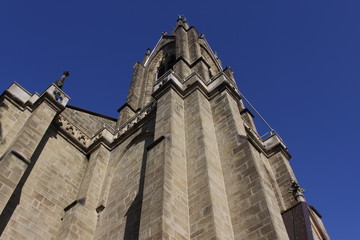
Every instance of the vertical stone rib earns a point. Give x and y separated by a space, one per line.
182 48
135 87
246 187
268 204
283 174
209 212
165 212
152 210
194 47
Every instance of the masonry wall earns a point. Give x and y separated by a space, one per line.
208 202
165 212
50 186
188 171
254 210
122 194
183 160
86 122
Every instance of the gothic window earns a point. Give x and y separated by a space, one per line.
166 64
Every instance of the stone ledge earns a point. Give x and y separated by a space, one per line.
246 110
21 157
124 106
191 83
106 136
90 112
267 151
156 142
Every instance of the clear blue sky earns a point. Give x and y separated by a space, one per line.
297 61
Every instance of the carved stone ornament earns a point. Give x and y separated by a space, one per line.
70 128
297 191
134 120
58 96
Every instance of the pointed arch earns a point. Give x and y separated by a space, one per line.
164 56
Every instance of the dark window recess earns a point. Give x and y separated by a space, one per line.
161 70
166 64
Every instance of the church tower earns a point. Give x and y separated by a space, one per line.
182 161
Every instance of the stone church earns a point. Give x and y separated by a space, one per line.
182 161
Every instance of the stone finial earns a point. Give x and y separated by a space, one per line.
181 17
60 81
297 191
164 33
148 51
201 35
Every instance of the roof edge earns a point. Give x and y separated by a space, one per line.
90 112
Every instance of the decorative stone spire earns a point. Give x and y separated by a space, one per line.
60 82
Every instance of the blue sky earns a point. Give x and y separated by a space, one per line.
296 61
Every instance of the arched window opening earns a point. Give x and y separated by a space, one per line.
167 63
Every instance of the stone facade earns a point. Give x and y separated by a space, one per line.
182 161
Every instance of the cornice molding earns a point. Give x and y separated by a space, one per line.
106 136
